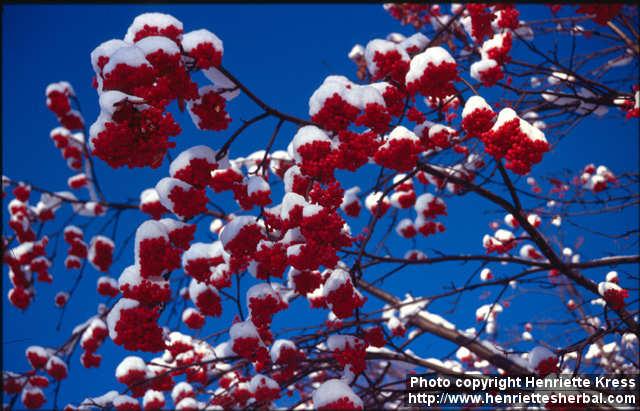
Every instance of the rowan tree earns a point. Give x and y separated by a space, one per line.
311 273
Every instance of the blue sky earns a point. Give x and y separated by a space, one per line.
282 52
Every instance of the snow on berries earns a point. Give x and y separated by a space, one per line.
264 389
125 403
386 59
285 352
269 260
150 203
258 191
182 199
351 203
150 291
77 250
56 368
488 312
597 179
154 24
399 151
153 252
132 371
497 48
127 70
481 20
70 146
77 181
528 251
59 96
486 274
312 151
204 47
181 391
134 326
205 297
338 102
512 138
92 338
133 134
612 277
138 77
194 166
543 361
240 238
37 356
432 73
613 294
349 351
486 71
501 242
477 116
180 234
406 229
246 342
61 299
153 400
340 294
429 206
304 281
32 397
336 394
100 253
440 137
23 261
208 110
200 258
264 302
377 203
172 79
333 105
193 318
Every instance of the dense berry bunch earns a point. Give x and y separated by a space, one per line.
138 77
512 138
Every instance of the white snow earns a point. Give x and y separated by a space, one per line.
164 188
479 67
432 55
128 364
231 229
152 396
114 315
605 286
129 55
257 184
244 329
152 44
381 46
278 345
337 278
475 103
105 49
356 53
260 380
223 84
185 157
159 20
333 390
538 354
195 38
306 135
124 400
